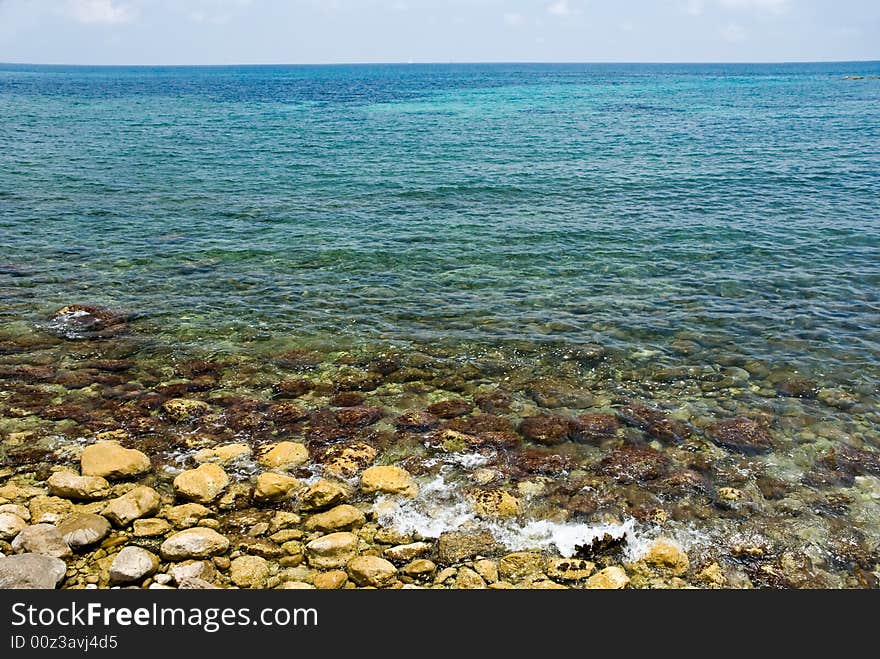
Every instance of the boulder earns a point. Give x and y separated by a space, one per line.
332 551
110 460
197 542
72 486
371 571
203 484
42 539
138 502
284 455
133 564
84 529
388 479
31 571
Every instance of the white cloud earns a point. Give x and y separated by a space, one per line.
560 8
733 33
100 12
514 19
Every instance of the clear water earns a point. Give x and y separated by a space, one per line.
705 217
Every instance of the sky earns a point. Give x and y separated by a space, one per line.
331 31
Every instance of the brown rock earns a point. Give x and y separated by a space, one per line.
139 502
275 487
547 429
594 428
633 464
449 409
72 486
323 494
371 571
521 565
740 434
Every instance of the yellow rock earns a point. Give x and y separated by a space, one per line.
110 460
249 572
323 494
223 455
371 571
388 479
495 503
569 569
73 486
332 580
340 518
181 409
203 484
666 554
611 578
284 455
275 487
713 576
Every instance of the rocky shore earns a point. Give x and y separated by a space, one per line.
127 467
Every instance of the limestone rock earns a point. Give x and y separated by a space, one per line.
10 526
186 515
456 546
204 570
284 455
666 554
134 504
197 542
49 510
72 486
31 571
223 455
371 571
275 487
347 460
203 484
42 539
84 529
110 460
521 565
150 527
495 503
249 572
405 553
341 518
323 494
332 580
133 564
467 579
332 551
183 409
611 578
569 569
388 479
419 568
15 509
487 569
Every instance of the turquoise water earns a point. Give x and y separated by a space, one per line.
483 205
674 268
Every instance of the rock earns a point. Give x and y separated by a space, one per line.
341 518
797 387
15 509
388 479
203 570
520 565
419 568
196 584
547 429
404 553
49 510
322 494
85 321
494 503
332 580
134 504
629 464
194 543
72 486
494 402
371 571
10 526
594 428
275 487
31 571
346 460
487 569
740 434
569 569
611 578
284 455
358 417
203 484
445 575
713 576
186 515
42 539
457 546
151 527
348 399
545 584
283 519
666 554
332 551
249 572
449 409
296 585
110 460
223 455
416 421
84 529
184 409
467 579
133 564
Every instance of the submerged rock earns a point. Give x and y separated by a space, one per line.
629 464
83 321
449 409
416 421
547 429
594 428
740 434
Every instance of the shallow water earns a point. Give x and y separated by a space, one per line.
703 240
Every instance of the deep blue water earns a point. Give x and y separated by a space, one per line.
732 207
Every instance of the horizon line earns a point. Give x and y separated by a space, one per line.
447 63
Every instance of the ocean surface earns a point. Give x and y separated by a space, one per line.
703 238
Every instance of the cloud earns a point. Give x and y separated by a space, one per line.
514 19
100 12
560 8
775 6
